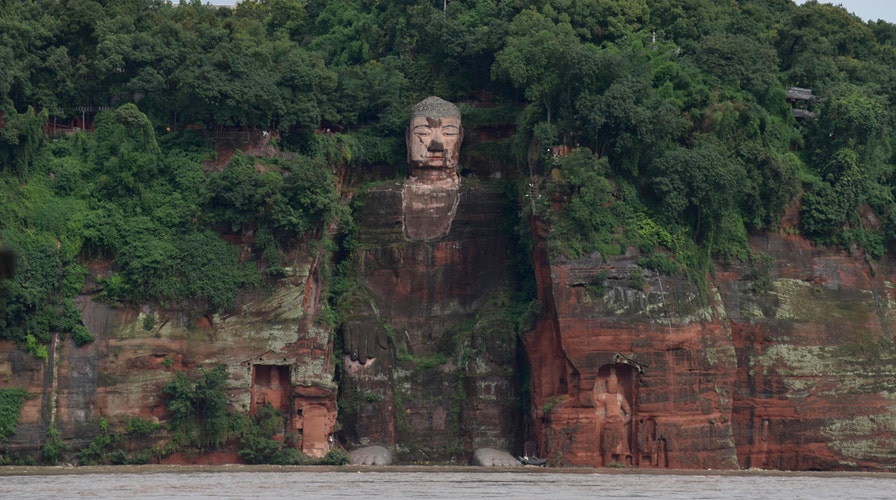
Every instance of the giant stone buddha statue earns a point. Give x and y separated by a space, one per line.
431 253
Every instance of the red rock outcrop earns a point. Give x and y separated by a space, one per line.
274 351
674 356
815 358
785 364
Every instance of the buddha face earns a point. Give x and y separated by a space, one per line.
434 142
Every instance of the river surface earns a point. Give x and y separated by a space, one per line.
434 482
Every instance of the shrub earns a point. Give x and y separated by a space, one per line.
258 447
12 399
199 415
659 262
97 451
141 427
53 448
336 456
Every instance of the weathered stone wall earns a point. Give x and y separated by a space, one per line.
785 367
782 363
611 313
816 375
121 374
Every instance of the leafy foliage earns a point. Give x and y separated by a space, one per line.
11 401
675 111
259 447
199 415
141 427
96 451
53 446
200 420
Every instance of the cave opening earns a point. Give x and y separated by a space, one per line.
270 385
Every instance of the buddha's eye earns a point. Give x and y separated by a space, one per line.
449 132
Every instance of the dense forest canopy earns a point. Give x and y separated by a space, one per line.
682 138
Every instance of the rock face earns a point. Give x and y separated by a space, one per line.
783 363
815 376
673 357
273 350
786 362
781 367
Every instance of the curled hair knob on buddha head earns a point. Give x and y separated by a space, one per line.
435 107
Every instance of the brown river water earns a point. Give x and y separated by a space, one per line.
239 481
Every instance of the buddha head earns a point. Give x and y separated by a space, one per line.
433 138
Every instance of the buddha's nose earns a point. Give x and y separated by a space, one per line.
436 145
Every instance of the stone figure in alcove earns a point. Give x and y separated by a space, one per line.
613 415
651 445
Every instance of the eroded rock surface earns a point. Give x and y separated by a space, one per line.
785 367
274 350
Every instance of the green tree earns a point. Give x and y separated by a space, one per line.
607 20
127 153
537 54
850 156
199 415
20 138
587 222
371 92
623 114
236 195
813 37
741 62
700 185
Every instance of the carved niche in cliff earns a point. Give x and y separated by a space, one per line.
429 197
613 412
270 385
624 436
312 410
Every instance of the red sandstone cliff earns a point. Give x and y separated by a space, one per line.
274 350
788 366
782 368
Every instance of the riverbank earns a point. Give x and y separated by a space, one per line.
15 470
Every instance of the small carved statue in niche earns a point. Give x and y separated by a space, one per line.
429 198
613 415
651 444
